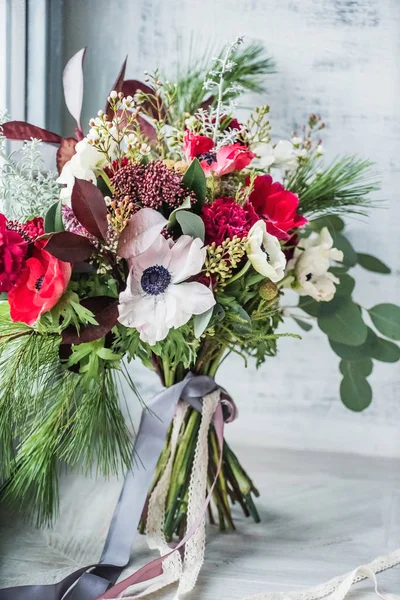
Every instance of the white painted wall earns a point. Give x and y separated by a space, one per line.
336 57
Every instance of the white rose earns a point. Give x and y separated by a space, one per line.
264 252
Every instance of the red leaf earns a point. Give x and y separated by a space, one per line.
105 311
131 86
73 85
207 103
90 208
65 152
147 129
19 130
70 247
119 82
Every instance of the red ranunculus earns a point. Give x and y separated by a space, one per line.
195 145
234 157
40 285
276 206
12 255
224 218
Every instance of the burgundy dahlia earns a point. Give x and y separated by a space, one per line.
12 255
224 218
152 185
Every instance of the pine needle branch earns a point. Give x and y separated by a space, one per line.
342 187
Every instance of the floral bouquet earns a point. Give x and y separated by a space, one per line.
173 235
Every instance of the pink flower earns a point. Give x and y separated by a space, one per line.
228 158
195 145
234 157
276 206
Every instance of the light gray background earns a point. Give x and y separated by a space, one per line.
336 57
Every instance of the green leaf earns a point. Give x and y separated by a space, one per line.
195 180
191 224
346 286
356 368
385 351
371 263
373 347
107 354
333 222
201 322
342 243
303 324
386 318
309 305
355 392
243 323
53 222
172 217
345 325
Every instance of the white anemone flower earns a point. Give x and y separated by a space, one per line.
265 253
83 165
311 266
158 295
282 156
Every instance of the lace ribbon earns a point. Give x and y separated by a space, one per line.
338 587
91 582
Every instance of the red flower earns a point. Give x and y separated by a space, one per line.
33 228
276 206
12 255
228 158
224 218
234 157
40 286
195 145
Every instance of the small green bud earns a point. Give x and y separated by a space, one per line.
268 290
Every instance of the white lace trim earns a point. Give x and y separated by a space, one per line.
338 587
174 569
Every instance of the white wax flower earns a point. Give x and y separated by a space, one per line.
281 156
83 165
264 252
311 264
158 295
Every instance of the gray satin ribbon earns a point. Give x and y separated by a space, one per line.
90 582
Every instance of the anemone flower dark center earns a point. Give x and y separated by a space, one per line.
155 280
209 157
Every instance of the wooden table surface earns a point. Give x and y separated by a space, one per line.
322 515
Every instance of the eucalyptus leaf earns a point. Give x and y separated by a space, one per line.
191 224
201 322
345 325
342 243
371 263
356 368
385 351
355 392
303 324
346 286
172 217
195 180
219 312
244 325
333 222
309 305
386 318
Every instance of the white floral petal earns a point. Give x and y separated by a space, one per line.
187 258
192 297
141 232
159 253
